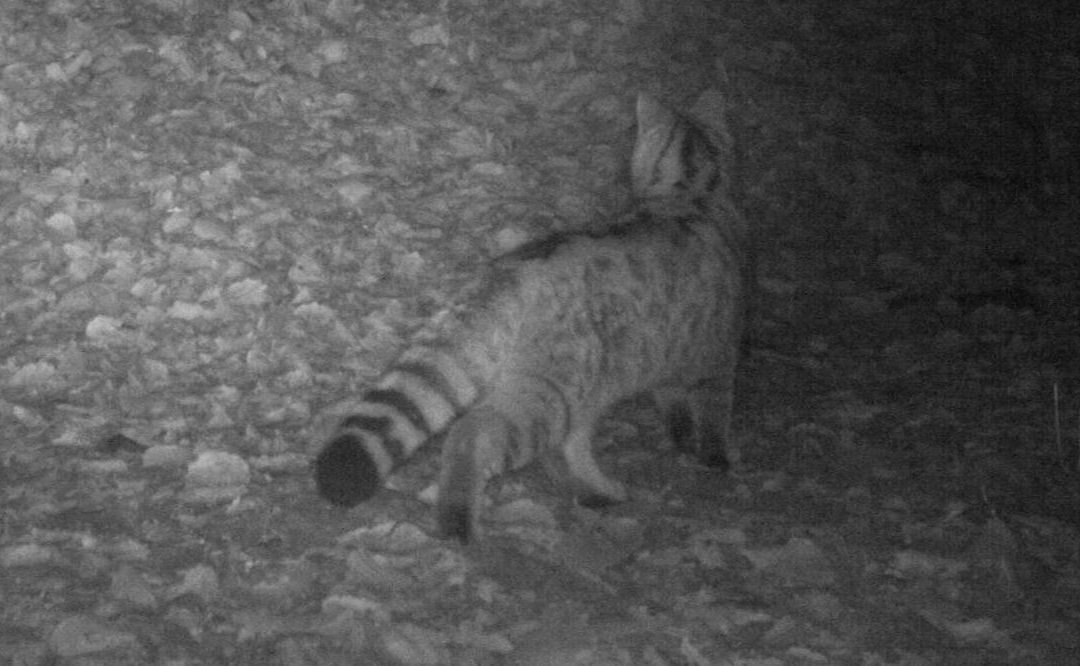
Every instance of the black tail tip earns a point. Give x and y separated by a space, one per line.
345 474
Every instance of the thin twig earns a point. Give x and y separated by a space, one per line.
1057 425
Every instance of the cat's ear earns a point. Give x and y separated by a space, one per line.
651 114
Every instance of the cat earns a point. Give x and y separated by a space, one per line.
561 329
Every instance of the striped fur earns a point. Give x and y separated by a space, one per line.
564 328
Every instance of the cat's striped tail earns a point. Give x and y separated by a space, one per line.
422 392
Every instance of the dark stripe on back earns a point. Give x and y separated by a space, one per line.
401 402
381 427
541 248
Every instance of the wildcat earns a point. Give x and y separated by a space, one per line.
561 329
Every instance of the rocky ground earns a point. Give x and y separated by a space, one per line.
218 218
